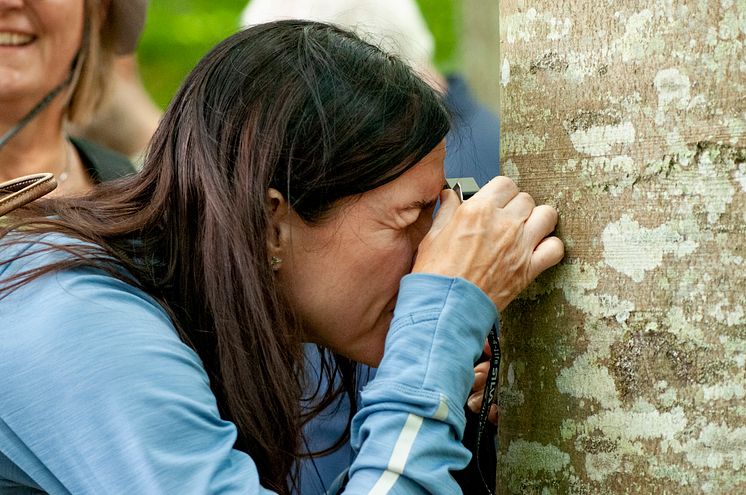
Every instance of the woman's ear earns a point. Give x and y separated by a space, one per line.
278 233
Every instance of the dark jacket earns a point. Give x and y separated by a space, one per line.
102 164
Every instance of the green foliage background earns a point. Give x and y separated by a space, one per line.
179 32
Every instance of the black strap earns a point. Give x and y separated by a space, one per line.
34 111
479 434
102 164
490 392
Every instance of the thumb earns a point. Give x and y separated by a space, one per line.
449 202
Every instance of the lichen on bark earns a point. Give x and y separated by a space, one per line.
624 368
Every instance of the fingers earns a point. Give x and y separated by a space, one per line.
480 376
475 402
480 381
449 202
548 253
549 250
496 240
500 190
521 206
540 223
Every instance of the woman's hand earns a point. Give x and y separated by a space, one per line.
474 403
498 239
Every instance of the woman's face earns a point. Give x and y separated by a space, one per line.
342 275
38 40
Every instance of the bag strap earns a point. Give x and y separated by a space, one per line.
23 190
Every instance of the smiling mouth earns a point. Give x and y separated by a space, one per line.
15 39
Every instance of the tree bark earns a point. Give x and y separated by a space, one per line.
624 368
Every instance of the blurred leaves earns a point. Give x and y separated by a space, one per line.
179 32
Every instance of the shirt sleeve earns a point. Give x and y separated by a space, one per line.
99 395
409 428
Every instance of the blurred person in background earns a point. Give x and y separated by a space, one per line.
472 150
397 26
55 67
127 119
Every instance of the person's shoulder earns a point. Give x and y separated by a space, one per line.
103 164
83 329
79 304
24 251
93 367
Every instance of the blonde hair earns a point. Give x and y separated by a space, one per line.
93 66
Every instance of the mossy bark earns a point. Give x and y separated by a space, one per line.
624 368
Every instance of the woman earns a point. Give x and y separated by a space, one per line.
473 151
153 329
55 63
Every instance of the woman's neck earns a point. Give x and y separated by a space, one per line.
40 146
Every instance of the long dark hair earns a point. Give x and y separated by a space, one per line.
306 108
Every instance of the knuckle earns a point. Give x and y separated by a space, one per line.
477 208
548 213
504 181
507 183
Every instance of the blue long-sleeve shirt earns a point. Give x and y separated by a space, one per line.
99 395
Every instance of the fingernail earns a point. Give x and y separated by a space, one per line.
472 402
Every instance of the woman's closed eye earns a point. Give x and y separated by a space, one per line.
415 212
422 223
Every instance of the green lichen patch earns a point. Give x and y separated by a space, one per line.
586 379
523 143
633 250
598 466
715 446
533 461
608 175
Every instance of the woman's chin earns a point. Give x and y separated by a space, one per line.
370 354
373 360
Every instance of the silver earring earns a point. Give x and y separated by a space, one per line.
275 262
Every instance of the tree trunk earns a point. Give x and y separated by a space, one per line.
624 368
